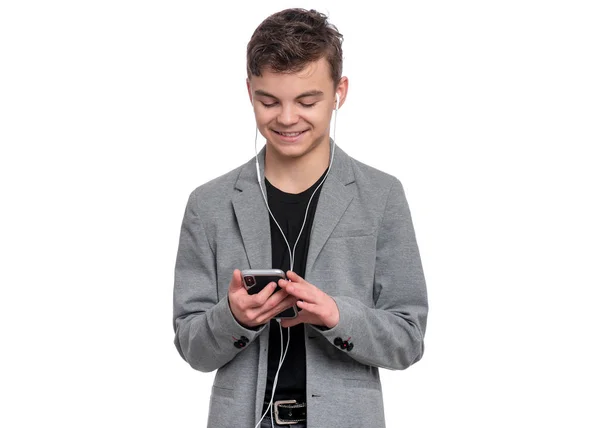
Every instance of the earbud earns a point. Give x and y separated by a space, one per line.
337 101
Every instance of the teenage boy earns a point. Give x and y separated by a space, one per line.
356 278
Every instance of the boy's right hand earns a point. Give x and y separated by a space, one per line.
251 310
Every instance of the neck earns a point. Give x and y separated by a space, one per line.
295 175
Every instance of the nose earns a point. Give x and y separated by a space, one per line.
287 115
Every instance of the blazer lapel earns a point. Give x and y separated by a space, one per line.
333 201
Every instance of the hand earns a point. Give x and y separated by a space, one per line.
254 310
318 308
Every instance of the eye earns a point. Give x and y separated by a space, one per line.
308 105
269 105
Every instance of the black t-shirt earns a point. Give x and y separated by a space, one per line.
289 210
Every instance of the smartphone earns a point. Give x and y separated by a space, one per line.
257 279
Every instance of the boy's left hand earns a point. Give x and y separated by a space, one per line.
318 308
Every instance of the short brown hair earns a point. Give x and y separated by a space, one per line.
287 41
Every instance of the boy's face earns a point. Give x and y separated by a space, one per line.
293 110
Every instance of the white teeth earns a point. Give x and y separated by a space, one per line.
290 134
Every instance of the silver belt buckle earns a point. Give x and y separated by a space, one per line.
279 421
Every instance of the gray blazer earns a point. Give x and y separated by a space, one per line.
362 252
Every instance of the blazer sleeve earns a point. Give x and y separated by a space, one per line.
207 335
389 334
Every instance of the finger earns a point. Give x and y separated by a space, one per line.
293 276
267 315
274 300
290 322
302 291
310 307
301 318
236 281
283 283
263 295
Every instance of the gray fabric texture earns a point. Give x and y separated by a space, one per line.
363 253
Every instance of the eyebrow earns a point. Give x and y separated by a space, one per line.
313 93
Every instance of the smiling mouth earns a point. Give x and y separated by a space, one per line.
289 134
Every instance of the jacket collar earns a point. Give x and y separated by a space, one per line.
253 218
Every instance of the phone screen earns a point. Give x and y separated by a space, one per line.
255 283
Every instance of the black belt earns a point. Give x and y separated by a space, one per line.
289 412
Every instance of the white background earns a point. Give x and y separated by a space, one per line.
112 112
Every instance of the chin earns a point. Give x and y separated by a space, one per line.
288 150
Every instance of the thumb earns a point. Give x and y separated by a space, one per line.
292 321
236 281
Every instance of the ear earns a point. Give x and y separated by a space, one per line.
342 90
249 90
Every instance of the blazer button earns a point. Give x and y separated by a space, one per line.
337 341
244 339
345 345
350 346
237 344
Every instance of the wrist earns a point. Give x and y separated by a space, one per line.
334 318
235 316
